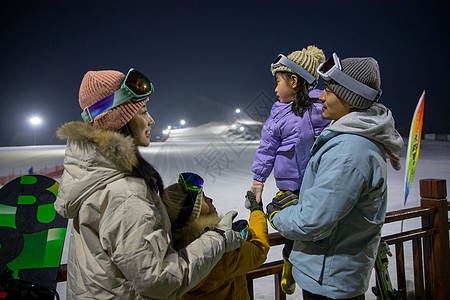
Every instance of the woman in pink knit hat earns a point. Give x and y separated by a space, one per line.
121 243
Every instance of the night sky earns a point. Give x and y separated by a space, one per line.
207 58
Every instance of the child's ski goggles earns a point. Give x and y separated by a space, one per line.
136 87
192 184
284 61
191 181
332 69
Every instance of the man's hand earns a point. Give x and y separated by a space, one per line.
283 199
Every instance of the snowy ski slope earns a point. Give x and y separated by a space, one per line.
223 156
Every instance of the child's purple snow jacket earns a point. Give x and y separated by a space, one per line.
286 140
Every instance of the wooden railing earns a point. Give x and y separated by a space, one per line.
430 246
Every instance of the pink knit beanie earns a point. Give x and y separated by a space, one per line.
95 86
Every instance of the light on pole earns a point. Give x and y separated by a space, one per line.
35 122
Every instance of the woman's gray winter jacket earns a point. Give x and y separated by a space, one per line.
120 246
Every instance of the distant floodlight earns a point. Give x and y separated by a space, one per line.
35 121
241 128
169 127
182 122
238 110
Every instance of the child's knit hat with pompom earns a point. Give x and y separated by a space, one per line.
309 59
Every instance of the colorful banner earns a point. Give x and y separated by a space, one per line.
412 152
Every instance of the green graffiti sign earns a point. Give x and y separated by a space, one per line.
31 232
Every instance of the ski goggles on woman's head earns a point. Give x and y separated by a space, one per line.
136 87
284 61
192 184
332 69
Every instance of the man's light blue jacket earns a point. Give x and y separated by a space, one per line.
336 227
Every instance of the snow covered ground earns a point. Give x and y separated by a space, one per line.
224 160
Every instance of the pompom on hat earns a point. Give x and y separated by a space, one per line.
309 59
364 70
175 198
95 86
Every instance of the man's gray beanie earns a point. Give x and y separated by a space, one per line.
366 71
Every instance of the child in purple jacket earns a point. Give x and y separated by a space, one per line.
288 134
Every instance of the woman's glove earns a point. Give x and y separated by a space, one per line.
282 199
257 189
233 239
250 198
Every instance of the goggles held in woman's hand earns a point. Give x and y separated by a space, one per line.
136 87
284 61
192 184
332 69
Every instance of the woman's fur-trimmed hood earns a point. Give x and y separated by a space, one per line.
94 158
113 145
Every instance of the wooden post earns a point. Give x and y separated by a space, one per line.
401 277
250 288
279 295
433 193
418 268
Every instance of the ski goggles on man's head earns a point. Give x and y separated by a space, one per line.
284 61
192 184
332 69
136 87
